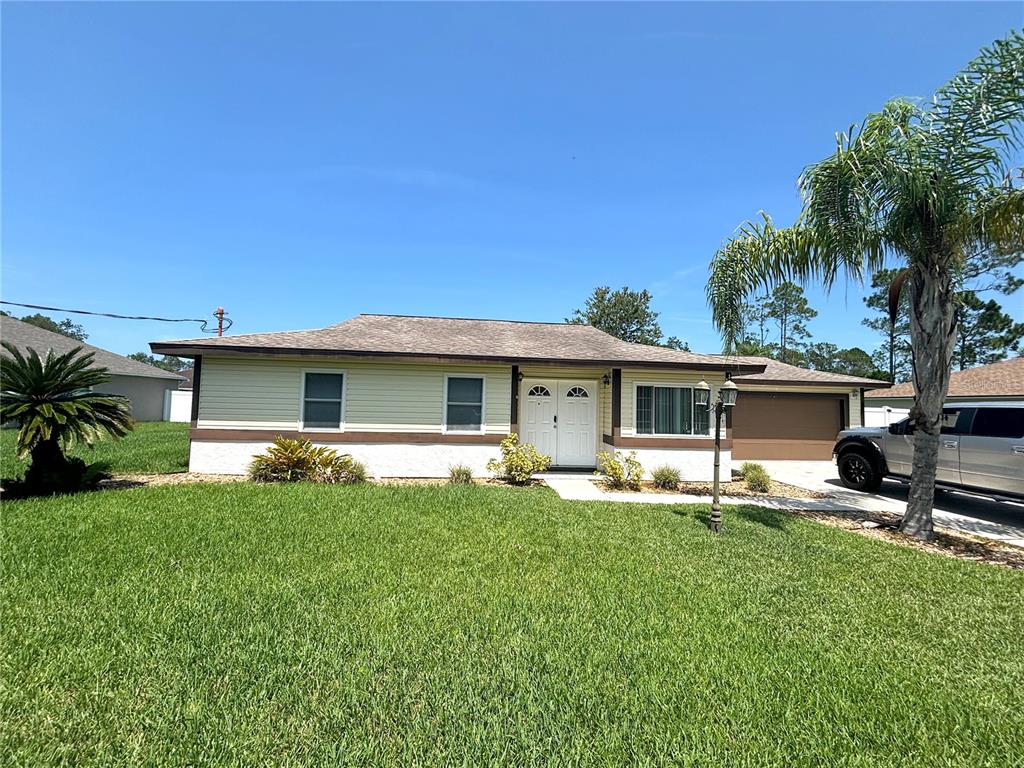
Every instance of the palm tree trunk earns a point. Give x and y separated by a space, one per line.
932 333
47 460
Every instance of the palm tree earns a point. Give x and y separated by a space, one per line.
54 406
924 186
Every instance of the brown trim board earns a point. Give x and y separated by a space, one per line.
616 400
197 378
515 395
343 437
664 442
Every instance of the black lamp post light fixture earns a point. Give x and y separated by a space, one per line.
726 399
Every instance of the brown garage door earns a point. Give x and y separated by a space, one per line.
785 426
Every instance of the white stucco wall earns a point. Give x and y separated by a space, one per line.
692 463
232 457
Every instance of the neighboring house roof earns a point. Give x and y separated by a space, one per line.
457 338
1002 379
776 372
27 336
186 374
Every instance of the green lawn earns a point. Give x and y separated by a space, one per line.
153 447
242 624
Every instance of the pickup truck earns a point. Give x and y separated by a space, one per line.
981 450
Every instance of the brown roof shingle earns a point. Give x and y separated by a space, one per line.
463 338
25 336
1002 379
776 372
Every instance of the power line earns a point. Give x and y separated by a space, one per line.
227 321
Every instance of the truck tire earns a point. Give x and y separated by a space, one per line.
859 472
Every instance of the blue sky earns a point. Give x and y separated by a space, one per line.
301 163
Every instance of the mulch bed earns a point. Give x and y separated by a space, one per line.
885 526
729 488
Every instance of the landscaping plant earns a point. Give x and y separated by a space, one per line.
460 475
756 477
927 185
52 401
519 461
665 477
623 473
290 461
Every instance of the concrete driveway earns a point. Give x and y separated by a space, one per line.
1003 521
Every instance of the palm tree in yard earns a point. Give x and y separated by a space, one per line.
52 401
924 186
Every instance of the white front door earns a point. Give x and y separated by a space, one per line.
576 423
560 419
538 422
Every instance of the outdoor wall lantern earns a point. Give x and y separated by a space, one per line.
726 399
606 379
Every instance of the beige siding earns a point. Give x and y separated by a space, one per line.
633 376
379 397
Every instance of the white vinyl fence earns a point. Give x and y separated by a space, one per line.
883 415
178 405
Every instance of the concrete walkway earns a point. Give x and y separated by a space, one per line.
1007 528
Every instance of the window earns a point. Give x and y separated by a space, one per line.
322 395
577 392
464 404
539 391
999 422
955 421
669 411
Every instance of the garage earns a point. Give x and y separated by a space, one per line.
790 425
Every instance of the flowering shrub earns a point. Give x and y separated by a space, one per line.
621 472
519 461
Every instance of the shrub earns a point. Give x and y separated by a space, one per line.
460 475
666 477
519 462
621 472
340 470
290 461
756 477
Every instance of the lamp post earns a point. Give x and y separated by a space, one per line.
726 399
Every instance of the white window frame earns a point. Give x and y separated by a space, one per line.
302 399
676 385
483 404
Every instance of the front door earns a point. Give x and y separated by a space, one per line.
560 419
577 435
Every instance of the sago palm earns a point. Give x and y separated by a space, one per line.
52 402
921 186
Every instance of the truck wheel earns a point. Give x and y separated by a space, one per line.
856 471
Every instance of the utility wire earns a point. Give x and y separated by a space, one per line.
227 321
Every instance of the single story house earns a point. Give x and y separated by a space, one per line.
788 412
413 396
144 385
986 383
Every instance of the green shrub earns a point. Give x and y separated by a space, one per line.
621 472
519 462
460 475
756 477
339 470
291 461
666 477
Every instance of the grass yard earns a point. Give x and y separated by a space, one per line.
242 624
153 447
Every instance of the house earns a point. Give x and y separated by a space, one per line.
787 412
986 383
144 385
413 396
